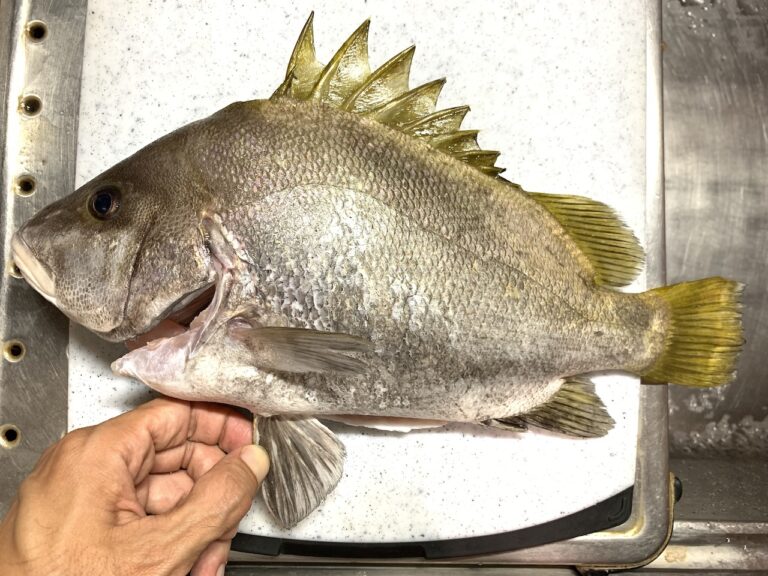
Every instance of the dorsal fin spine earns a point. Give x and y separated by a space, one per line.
392 77
347 70
303 66
415 103
437 123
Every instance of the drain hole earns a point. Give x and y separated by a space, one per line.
14 350
37 30
31 105
25 185
10 436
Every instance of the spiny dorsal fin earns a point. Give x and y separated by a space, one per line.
347 70
384 95
574 410
609 245
388 81
303 67
440 123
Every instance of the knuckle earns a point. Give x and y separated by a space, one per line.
73 442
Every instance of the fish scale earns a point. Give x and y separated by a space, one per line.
498 319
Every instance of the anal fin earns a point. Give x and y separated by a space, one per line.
307 461
574 410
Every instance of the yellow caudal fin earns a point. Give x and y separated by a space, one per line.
704 334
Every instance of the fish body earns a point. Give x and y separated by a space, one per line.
366 260
433 265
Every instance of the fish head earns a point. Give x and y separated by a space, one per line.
125 249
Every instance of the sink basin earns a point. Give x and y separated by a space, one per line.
715 66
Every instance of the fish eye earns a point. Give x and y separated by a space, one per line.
104 203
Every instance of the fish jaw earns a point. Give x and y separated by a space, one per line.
37 274
160 364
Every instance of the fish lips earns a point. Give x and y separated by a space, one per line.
36 273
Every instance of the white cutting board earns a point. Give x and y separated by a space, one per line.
558 87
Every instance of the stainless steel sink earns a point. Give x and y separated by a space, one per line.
715 65
716 149
715 69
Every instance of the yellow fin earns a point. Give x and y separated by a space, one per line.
303 67
387 82
575 409
411 105
348 83
440 123
609 245
347 70
704 334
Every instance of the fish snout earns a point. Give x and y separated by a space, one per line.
37 274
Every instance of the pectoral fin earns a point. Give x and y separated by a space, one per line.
299 350
575 410
307 460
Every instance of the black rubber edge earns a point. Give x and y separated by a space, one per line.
603 515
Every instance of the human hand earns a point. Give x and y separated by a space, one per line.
159 490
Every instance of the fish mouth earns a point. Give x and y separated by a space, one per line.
37 274
177 318
158 356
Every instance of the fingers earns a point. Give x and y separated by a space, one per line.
218 500
174 473
166 423
215 424
212 559
159 493
193 457
135 437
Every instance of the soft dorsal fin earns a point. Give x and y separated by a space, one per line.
610 246
383 94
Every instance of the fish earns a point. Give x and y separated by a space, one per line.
345 250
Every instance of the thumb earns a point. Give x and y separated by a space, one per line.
218 500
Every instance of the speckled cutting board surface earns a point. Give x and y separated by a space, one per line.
558 87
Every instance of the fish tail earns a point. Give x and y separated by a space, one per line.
703 336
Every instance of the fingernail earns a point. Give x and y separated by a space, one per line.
256 459
220 571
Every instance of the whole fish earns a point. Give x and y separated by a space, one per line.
361 259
